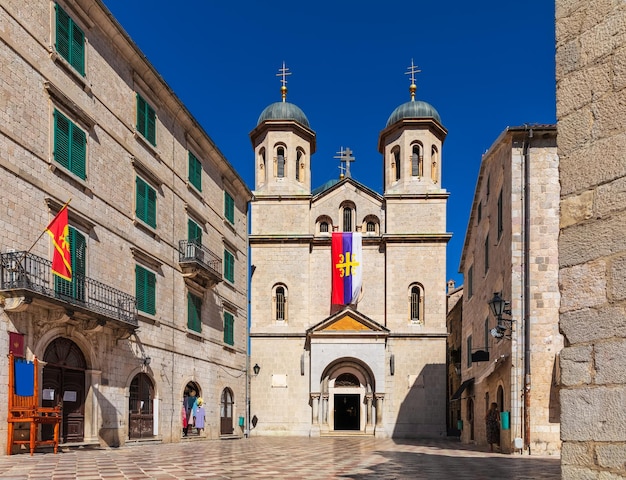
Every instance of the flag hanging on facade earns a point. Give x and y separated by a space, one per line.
346 256
59 231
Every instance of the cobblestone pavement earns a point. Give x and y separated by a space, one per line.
358 458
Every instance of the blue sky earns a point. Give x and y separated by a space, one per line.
485 65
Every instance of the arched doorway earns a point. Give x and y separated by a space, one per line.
140 407
226 412
64 384
347 383
190 399
347 402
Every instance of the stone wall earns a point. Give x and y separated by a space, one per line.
591 115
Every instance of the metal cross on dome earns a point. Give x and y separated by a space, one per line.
283 72
345 156
412 70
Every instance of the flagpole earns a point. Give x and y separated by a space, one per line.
42 233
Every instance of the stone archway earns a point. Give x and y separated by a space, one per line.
63 384
141 407
347 390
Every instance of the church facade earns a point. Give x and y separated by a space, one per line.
374 364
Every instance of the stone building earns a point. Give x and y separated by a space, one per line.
454 323
375 365
157 304
591 116
511 248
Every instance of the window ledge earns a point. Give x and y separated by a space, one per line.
69 69
229 348
148 318
146 143
230 225
144 226
193 189
192 334
54 167
146 172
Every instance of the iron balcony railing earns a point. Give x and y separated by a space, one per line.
25 271
191 251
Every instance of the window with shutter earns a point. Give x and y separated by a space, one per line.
229 266
145 290
229 324
194 232
145 207
74 289
70 145
229 208
146 120
70 40
195 172
194 309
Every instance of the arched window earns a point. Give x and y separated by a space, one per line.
434 169
370 227
416 304
417 161
396 160
300 166
262 167
280 162
279 306
347 219
500 398
280 303
324 227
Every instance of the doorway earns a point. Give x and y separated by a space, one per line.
64 384
140 408
226 412
347 411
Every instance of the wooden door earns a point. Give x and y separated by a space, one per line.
226 412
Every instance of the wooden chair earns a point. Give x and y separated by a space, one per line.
26 409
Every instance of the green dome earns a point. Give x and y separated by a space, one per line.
283 111
413 109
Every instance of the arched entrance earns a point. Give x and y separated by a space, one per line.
470 417
140 407
347 388
190 404
64 384
226 412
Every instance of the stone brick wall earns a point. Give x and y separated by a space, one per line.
590 74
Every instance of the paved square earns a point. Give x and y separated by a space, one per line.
358 458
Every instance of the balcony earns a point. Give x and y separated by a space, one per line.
26 275
199 264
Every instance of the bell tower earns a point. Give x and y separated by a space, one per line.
283 145
411 146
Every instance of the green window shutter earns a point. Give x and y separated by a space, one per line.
194 309
195 172
151 123
229 324
63 29
78 152
78 252
145 208
61 139
194 232
229 207
70 40
141 115
145 290
229 266
77 51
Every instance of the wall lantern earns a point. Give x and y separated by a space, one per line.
256 369
499 307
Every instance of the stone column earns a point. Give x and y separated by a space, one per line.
369 427
379 430
315 407
324 414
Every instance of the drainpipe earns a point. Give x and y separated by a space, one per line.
527 384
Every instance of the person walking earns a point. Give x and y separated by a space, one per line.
492 420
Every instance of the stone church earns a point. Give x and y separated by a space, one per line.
376 364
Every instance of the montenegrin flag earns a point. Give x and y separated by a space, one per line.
346 255
59 231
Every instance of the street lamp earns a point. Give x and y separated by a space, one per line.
499 307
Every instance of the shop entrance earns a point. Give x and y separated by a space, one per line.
347 411
140 407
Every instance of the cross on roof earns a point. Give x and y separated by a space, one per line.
412 70
345 157
283 72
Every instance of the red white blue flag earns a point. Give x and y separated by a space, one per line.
346 256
